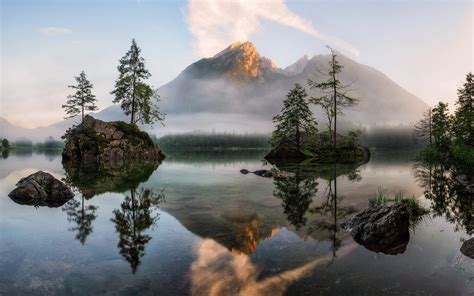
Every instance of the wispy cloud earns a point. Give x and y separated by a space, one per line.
214 23
54 31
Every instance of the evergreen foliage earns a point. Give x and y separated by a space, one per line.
82 100
463 120
453 134
334 97
138 99
423 131
295 119
5 144
441 126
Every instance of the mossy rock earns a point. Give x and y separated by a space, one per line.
96 141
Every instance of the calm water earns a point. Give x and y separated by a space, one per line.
196 226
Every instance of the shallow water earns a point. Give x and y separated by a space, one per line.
196 226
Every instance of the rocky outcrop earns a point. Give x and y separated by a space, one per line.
41 189
382 228
97 141
467 248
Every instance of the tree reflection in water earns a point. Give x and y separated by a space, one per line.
82 216
136 215
296 194
297 189
448 197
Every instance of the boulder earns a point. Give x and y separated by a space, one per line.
382 228
467 248
97 141
41 189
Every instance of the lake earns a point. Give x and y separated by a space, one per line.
195 225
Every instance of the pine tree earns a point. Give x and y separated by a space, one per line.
138 99
441 126
463 125
424 128
334 97
295 119
82 100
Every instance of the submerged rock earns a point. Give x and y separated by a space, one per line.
261 173
467 248
41 189
383 228
97 141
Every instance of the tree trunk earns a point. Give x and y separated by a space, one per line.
335 212
133 102
298 137
335 111
429 118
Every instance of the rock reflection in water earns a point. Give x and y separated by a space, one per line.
216 271
136 215
92 180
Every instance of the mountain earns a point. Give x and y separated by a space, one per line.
240 90
239 80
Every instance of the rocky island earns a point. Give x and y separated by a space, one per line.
96 141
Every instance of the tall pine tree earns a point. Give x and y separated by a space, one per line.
295 119
334 97
82 100
424 128
463 126
441 127
138 99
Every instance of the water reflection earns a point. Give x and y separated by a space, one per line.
216 271
448 197
296 193
136 215
82 216
5 153
297 187
111 177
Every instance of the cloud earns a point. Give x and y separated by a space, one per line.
214 23
54 31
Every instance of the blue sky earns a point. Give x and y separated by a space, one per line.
425 46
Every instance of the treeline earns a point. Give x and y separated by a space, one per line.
214 141
450 137
49 143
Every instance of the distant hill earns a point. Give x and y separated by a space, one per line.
238 90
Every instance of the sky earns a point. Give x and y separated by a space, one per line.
425 46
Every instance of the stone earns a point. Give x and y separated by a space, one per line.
467 248
382 228
41 189
264 173
96 141
261 173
